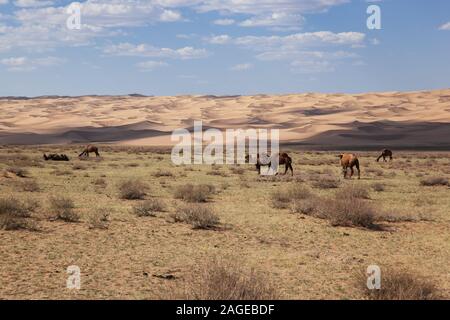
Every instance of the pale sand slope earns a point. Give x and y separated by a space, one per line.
410 119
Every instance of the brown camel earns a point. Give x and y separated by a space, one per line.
386 153
349 160
90 148
284 159
56 157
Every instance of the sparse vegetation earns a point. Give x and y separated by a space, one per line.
14 214
31 186
222 279
200 216
194 193
401 285
19 172
434 181
63 209
149 208
99 219
133 190
230 216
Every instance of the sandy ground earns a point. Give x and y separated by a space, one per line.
410 119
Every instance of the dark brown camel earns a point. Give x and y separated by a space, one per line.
89 149
349 160
56 157
386 153
283 159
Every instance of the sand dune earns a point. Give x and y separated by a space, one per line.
401 119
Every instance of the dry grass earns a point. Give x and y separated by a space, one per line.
19 172
401 285
99 219
149 208
282 199
200 216
14 215
31 186
194 193
63 209
133 190
224 279
434 181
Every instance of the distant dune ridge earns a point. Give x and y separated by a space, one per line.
371 120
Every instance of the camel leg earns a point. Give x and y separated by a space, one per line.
378 159
292 170
351 172
97 154
344 170
258 167
359 171
384 158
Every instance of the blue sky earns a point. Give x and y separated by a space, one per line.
224 47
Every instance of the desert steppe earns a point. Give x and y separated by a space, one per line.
139 227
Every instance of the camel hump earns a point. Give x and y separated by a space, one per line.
348 158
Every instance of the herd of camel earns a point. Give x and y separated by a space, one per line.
348 160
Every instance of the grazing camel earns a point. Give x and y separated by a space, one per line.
349 160
284 159
56 157
90 148
386 153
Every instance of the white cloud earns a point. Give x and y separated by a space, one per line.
32 3
3 2
221 39
276 19
144 50
170 16
151 65
224 22
296 40
445 26
242 67
26 64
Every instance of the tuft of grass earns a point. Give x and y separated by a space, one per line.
19 172
149 208
237 170
99 220
226 279
378 187
435 181
200 216
133 190
353 190
14 214
282 199
400 285
31 186
326 182
163 173
350 212
100 182
63 209
79 166
194 193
